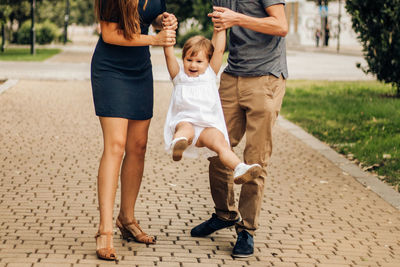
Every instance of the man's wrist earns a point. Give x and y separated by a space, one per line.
238 19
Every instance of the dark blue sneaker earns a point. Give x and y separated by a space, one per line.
244 246
210 226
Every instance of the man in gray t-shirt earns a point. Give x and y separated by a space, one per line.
251 91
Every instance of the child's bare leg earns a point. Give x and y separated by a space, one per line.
184 129
183 137
213 139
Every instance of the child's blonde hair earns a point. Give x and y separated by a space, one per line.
196 44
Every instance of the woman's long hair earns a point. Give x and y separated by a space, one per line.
128 15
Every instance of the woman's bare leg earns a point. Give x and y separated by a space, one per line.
213 139
114 135
132 168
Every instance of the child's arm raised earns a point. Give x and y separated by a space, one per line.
172 62
218 40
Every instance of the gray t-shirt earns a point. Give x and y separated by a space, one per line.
253 53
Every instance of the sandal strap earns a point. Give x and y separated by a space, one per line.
135 224
108 240
103 233
140 236
108 252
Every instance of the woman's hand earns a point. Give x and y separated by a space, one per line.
169 21
165 38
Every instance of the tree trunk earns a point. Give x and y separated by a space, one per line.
3 37
33 36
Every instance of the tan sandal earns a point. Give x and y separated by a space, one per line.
108 253
132 231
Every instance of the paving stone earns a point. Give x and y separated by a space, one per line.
313 214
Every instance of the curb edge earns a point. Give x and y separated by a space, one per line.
8 84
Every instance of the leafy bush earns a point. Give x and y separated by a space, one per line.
208 33
46 33
23 36
181 39
378 26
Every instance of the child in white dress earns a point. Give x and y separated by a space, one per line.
195 118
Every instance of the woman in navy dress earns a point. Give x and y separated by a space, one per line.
122 84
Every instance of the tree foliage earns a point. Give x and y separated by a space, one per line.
185 9
378 26
82 12
16 12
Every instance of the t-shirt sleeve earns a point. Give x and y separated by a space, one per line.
223 3
267 3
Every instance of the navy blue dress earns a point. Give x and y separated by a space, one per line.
122 79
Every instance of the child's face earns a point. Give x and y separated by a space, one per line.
196 64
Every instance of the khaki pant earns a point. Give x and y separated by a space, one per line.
251 105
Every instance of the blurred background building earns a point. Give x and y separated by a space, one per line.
305 18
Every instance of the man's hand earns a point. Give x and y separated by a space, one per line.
223 18
169 21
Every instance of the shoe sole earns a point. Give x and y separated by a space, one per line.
178 149
241 255
251 174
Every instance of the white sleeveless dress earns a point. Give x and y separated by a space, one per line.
195 100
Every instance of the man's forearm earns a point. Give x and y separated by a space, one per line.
273 24
268 25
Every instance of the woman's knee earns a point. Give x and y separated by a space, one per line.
115 147
137 147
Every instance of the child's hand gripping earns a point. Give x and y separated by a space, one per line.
169 21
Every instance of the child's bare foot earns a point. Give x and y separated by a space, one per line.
244 173
178 146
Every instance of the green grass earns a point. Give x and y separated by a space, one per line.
358 119
23 54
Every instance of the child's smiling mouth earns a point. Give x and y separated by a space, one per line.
193 72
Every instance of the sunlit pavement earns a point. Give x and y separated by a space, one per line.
313 213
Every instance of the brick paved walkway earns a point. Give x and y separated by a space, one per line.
313 214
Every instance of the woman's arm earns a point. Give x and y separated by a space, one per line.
112 35
275 24
172 62
218 40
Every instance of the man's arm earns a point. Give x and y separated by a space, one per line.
218 40
275 24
